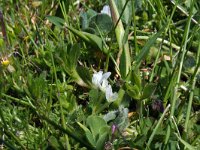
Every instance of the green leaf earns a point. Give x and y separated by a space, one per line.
148 90
95 124
136 78
84 20
122 120
91 13
96 41
53 142
187 145
111 115
35 86
87 37
127 14
145 50
133 91
101 141
88 134
90 38
56 20
84 74
101 22
124 58
68 101
73 54
94 95
140 140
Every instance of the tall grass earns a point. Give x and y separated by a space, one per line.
50 51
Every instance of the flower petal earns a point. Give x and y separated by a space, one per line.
113 97
96 78
104 85
106 10
110 96
105 76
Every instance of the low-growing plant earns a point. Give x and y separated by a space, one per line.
115 74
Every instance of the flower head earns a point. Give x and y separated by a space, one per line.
100 81
110 96
106 10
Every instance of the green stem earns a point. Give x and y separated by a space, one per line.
104 106
98 104
135 29
158 40
185 38
20 101
124 63
63 122
11 135
64 12
194 78
73 134
8 133
157 126
117 103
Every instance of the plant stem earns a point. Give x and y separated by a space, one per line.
159 40
123 58
194 78
182 53
157 125
63 122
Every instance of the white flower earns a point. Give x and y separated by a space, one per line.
110 96
104 85
100 80
106 10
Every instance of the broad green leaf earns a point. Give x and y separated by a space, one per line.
101 141
84 74
73 55
90 38
85 18
133 91
53 142
96 41
122 120
127 14
87 37
88 134
101 22
91 13
111 115
105 129
148 90
56 20
103 137
95 123
136 78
